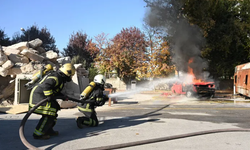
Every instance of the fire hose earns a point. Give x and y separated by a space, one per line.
123 145
25 118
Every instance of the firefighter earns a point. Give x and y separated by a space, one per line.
95 98
50 87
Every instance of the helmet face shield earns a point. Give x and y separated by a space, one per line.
69 72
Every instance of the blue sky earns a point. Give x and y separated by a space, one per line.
63 17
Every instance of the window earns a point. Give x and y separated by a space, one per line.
246 79
235 79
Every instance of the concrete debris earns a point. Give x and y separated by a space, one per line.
26 58
8 64
34 51
8 51
8 91
19 46
15 58
31 55
35 43
3 72
14 70
3 57
50 55
64 60
28 68
40 50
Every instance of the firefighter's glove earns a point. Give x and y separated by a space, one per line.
62 97
50 98
65 98
82 97
101 103
105 98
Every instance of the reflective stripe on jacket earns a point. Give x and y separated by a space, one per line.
94 98
49 86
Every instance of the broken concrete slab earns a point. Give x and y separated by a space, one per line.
19 46
66 104
3 72
50 54
9 90
31 55
33 50
3 57
9 51
40 50
8 64
15 58
28 68
15 70
35 43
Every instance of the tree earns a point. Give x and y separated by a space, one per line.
185 40
34 32
102 58
4 40
93 71
159 64
226 26
126 54
80 49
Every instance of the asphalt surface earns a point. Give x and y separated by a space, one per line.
141 117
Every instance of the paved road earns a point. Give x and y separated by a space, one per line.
141 117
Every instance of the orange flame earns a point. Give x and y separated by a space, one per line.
191 72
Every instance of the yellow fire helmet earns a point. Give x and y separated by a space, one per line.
68 69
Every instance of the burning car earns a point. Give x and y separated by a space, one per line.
193 86
197 89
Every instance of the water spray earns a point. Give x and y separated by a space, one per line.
146 87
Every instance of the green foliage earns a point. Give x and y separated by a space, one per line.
4 40
224 24
79 49
93 71
78 60
34 32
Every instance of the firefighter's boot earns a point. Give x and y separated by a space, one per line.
51 132
41 137
79 122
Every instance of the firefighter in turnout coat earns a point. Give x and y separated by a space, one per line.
95 98
49 87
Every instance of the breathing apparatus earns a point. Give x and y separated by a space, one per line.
98 79
38 75
88 90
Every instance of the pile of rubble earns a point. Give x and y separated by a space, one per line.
26 58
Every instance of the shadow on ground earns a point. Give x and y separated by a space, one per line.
67 128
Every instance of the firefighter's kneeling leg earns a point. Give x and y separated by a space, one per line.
90 120
44 125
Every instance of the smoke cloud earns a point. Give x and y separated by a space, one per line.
186 48
186 41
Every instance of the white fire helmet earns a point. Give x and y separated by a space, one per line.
100 79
